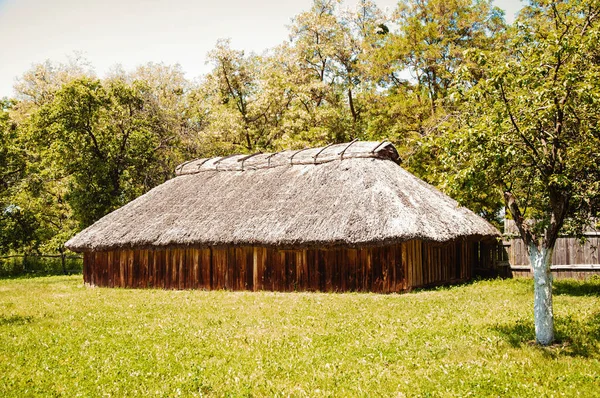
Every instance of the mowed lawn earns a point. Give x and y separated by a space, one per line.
58 337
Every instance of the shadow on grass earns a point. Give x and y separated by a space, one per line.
572 287
573 337
6 320
452 284
517 333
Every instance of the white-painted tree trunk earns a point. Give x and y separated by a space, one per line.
541 260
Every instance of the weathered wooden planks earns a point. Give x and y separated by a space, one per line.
567 252
385 269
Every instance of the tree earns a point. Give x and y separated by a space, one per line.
10 161
435 33
530 129
326 68
414 66
169 110
17 225
313 89
86 146
238 111
104 140
36 216
38 85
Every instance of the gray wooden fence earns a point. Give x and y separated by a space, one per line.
571 258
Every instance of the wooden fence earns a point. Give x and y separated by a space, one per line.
17 264
571 258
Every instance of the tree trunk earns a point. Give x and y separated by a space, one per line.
541 260
351 103
62 261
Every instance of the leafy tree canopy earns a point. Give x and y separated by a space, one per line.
528 129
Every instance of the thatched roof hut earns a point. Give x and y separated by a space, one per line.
342 197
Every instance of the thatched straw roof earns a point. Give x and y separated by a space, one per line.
347 194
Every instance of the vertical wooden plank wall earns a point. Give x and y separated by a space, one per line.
386 269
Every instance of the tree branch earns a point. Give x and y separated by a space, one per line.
514 122
512 205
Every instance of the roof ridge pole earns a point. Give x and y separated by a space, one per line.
348 146
222 158
321 150
269 158
378 145
246 158
204 161
181 166
294 154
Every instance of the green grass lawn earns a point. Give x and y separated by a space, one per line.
58 337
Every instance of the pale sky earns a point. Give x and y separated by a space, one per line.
134 32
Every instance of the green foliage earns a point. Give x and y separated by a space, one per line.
434 35
59 337
416 67
11 155
86 146
530 128
525 124
35 265
98 135
443 161
17 228
440 79
312 90
17 225
240 110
